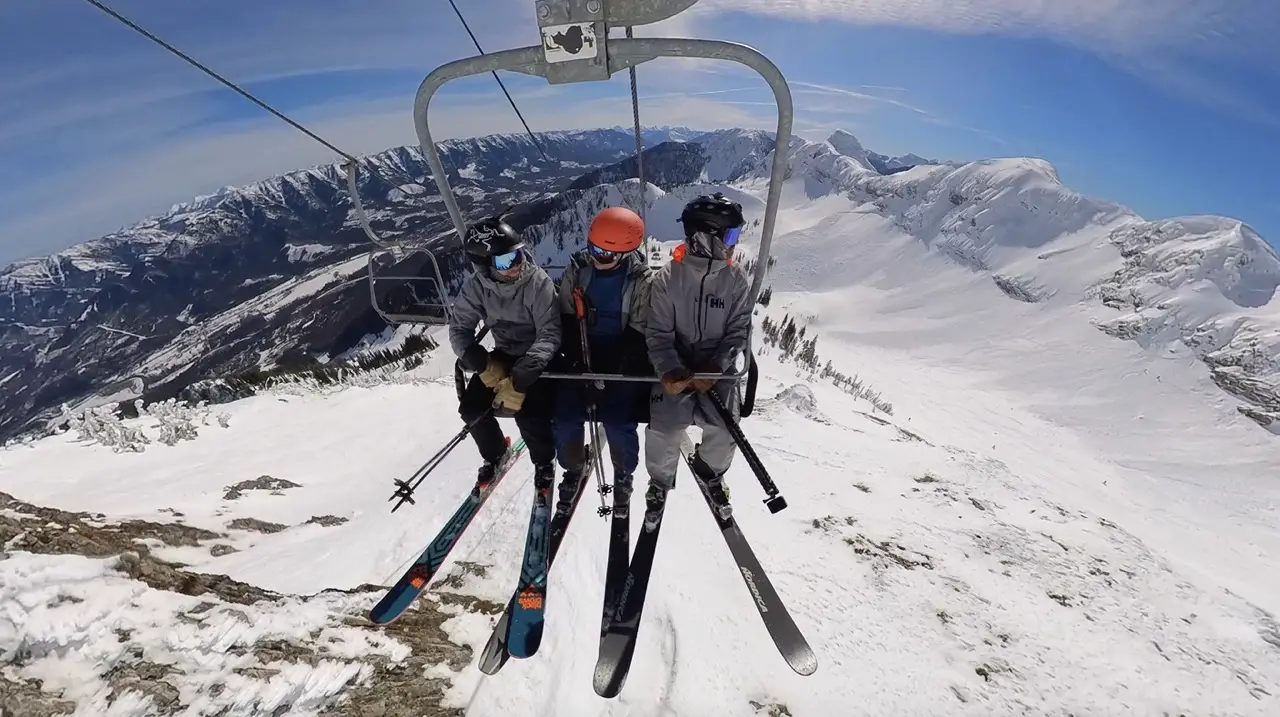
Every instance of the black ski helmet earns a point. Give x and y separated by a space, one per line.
491 237
708 220
711 213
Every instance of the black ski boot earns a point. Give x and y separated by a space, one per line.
544 479
719 493
622 494
484 477
655 501
568 488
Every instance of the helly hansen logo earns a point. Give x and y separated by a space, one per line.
714 302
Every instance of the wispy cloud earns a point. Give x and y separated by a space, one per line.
1243 26
1165 42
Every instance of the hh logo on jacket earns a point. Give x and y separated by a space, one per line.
714 302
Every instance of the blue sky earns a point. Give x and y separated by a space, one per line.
1167 106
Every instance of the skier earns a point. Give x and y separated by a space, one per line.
609 280
699 318
517 300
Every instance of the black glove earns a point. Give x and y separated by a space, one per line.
522 377
475 358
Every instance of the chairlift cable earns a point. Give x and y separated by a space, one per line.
194 63
635 115
476 42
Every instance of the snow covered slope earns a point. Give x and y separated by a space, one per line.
930 573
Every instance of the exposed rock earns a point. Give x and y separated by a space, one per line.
264 482
327 521
253 524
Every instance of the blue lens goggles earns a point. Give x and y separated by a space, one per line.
601 253
731 236
502 262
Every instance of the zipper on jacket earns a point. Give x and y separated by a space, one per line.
701 288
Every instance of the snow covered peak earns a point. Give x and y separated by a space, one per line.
733 154
849 146
1194 251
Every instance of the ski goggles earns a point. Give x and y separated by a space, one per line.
602 254
731 236
502 262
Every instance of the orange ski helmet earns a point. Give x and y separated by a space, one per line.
616 229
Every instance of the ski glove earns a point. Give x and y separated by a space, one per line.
508 397
522 378
493 373
676 380
702 385
475 358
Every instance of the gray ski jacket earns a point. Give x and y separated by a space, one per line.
523 317
699 314
635 300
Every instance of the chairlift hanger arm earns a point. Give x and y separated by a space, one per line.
622 53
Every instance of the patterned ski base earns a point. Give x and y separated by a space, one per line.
415 579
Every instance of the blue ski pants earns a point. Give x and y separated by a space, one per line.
615 406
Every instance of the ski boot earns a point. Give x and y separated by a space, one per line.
568 488
655 501
484 477
719 493
544 479
622 495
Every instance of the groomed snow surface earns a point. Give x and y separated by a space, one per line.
931 577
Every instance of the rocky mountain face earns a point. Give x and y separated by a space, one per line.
250 275
276 271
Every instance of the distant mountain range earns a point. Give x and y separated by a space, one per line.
276 271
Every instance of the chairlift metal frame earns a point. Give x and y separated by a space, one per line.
576 47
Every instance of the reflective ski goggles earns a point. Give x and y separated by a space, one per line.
502 262
602 254
731 236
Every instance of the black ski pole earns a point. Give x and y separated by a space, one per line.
597 445
775 501
404 489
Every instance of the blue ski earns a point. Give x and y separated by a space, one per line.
524 630
495 652
415 579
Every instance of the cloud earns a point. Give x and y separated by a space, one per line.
1168 43
1238 26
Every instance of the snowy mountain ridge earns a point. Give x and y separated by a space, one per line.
1050 522
991 216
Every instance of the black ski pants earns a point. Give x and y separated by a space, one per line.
533 420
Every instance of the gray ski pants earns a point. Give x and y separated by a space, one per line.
670 416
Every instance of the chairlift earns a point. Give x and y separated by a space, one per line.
576 47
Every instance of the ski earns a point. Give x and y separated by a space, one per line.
495 653
524 629
618 638
616 570
782 628
415 579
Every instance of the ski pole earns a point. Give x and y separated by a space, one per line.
597 446
775 501
404 489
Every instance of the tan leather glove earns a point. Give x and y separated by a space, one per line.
493 373
676 381
506 396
